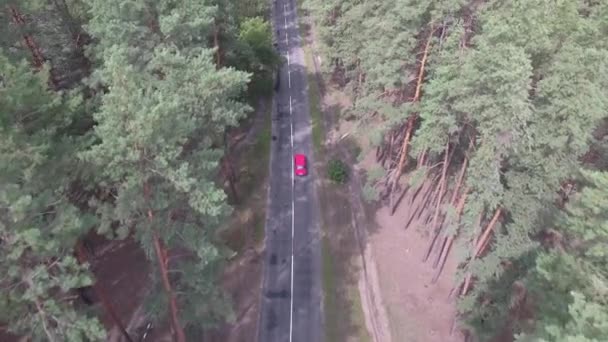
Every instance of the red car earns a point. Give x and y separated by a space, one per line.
300 165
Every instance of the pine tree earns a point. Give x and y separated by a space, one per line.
48 32
39 225
165 192
554 132
255 53
568 283
506 94
164 90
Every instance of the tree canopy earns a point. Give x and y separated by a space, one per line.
508 99
112 120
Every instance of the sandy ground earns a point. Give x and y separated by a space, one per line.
418 310
398 298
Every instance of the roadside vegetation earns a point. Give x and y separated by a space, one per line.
337 171
118 119
489 120
342 308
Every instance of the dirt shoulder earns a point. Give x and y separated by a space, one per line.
352 302
244 233
395 292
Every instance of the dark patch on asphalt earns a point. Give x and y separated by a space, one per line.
277 294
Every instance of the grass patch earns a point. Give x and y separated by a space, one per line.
261 149
332 315
253 160
260 224
358 314
332 289
314 95
314 103
335 289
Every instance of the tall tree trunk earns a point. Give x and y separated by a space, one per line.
161 257
41 312
442 182
432 199
230 177
80 37
450 239
435 223
480 243
403 155
360 78
74 28
227 168
37 56
486 234
413 117
455 193
425 56
99 290
216 44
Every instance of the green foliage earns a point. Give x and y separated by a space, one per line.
159 131
370 193
256 34
38 224
337 171
535 142
570 287
143 124
523 84
252 8
375 174
132 147
257 55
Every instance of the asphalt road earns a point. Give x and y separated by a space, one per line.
291 298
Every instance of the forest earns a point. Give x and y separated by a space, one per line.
115 120
489 118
